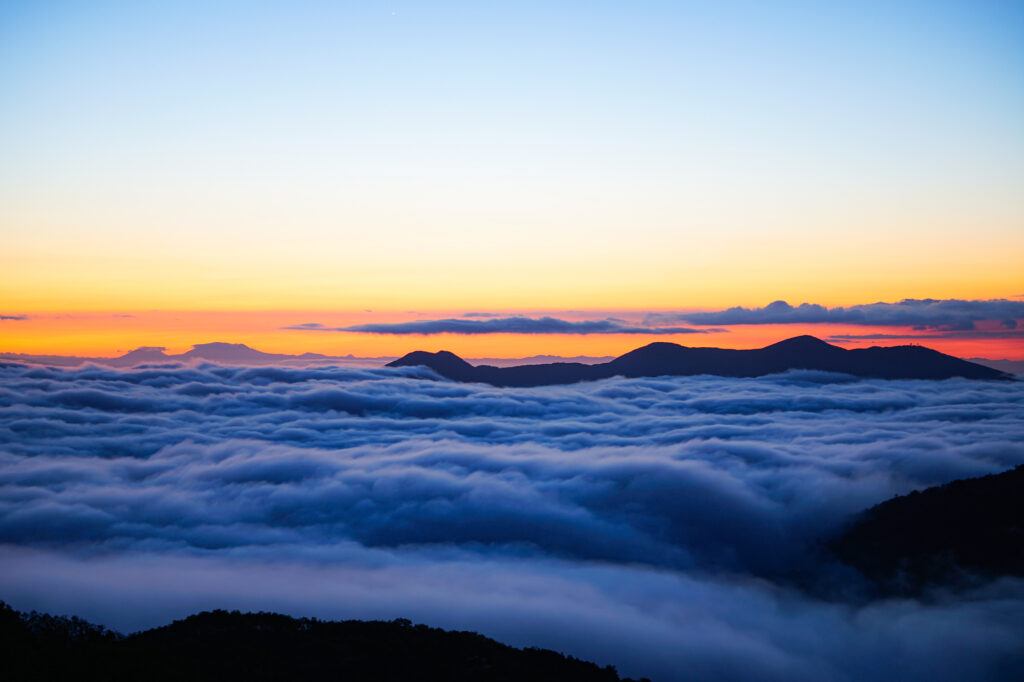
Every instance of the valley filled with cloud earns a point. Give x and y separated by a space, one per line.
674 527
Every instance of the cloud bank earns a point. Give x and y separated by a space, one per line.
949 317
941 315
651 523
503 325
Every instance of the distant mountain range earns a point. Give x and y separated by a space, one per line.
222 353
240 354
802 352
661 359
234 353
1010 366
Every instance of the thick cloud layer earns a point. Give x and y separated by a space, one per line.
503 325
658 524
943 315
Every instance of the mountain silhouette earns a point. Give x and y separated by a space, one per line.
946 535
140 356
217 352
226 646
228 353
670 359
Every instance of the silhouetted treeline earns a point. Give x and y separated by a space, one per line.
222 645
947 535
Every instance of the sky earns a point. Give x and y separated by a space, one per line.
179 173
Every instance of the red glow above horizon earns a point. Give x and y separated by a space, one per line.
105 334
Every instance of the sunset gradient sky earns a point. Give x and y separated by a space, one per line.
178 173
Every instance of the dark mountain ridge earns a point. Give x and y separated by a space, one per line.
222 645
958 533
670 359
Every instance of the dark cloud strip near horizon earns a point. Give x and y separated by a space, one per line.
504 325
921 314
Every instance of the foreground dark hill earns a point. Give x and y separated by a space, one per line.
661 359
956 533
220 646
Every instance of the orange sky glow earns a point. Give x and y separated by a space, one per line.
156 195
108 335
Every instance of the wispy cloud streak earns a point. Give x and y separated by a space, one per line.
504 325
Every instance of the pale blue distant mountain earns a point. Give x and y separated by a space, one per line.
1010 366
241 354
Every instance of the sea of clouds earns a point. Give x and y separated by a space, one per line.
673 527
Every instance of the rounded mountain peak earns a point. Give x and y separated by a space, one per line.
443 362
803 342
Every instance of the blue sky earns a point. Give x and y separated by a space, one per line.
508 156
